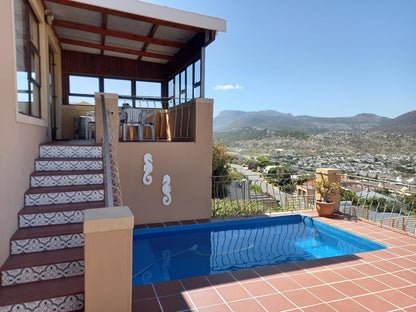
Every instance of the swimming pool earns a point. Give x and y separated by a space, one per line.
177 252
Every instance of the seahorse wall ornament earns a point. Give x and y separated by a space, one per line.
167 199
147 169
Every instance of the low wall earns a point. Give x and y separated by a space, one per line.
188 165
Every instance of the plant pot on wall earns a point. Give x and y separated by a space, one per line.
325 209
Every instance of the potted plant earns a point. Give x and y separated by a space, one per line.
326 189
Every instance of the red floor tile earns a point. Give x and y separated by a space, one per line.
143 292
275 302
259 288
233 292
175 303
148 305
168 288
349 273
370 284
397 298
374 303
284 283
392 280
306 280
407 275
267 271
319 308
369 269
328 276
248 305
347 305
206 297
326 293
215 308
301 297
195 283
349 288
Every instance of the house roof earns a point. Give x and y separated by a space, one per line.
128 28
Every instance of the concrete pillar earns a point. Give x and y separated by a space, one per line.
108 239
332 175
111 102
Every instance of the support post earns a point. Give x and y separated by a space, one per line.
108 239
332 175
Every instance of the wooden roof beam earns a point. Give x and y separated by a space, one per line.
127 15
104 26
118 34
114 49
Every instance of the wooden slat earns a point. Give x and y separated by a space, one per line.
118 34
115 49
127 15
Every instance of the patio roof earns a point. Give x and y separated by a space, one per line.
128 29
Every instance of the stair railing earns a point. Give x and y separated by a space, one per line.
111 172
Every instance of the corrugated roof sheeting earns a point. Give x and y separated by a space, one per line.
174 34
63 32
75 15
129 25
76 48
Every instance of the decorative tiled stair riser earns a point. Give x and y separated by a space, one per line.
42 219
22 246
61 304
63 197
67 165
42 273
66 180
70 151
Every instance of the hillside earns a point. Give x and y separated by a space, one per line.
269 119
404 124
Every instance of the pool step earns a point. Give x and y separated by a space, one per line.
68 164
49 150
66 178
43 215
63 295
37 196
40 266
44 238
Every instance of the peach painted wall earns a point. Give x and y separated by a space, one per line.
19 135
187 163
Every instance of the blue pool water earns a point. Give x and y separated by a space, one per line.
178 252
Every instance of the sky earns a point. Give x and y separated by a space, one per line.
329 58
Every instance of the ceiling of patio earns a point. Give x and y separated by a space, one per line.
88 28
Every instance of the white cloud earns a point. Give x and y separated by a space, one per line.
227 87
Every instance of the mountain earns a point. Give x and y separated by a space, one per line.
269 119
403 124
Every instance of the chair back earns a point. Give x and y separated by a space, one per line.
147 118
133 115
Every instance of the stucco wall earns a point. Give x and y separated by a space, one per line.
19 135
188 164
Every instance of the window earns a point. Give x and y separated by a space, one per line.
27 59
82 89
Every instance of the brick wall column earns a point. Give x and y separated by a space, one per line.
332 175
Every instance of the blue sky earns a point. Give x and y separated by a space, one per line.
311 57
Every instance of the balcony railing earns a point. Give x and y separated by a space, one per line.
171 122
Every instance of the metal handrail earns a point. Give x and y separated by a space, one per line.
107 161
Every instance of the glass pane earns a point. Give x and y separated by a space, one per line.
118 86
197 92
146 88
34 31
183 81
170 88
35 101
177 92
189 84
197 66
83 84
125 103
81 100
20 32
35 64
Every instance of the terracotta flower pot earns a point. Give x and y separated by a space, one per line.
324 209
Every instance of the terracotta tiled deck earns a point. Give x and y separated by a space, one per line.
383 280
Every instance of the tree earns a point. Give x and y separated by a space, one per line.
264 162
220 171
281 175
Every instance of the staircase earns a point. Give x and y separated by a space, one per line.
45 271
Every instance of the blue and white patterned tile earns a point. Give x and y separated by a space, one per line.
42 273
61 304
51 218
67 165
63 197
23 246
70 151
66 180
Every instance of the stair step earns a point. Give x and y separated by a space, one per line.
46 265
68 164
55 214
36 196
52 150
66 178
43 238
65 294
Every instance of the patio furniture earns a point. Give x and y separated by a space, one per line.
89 124
131 117
146 120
